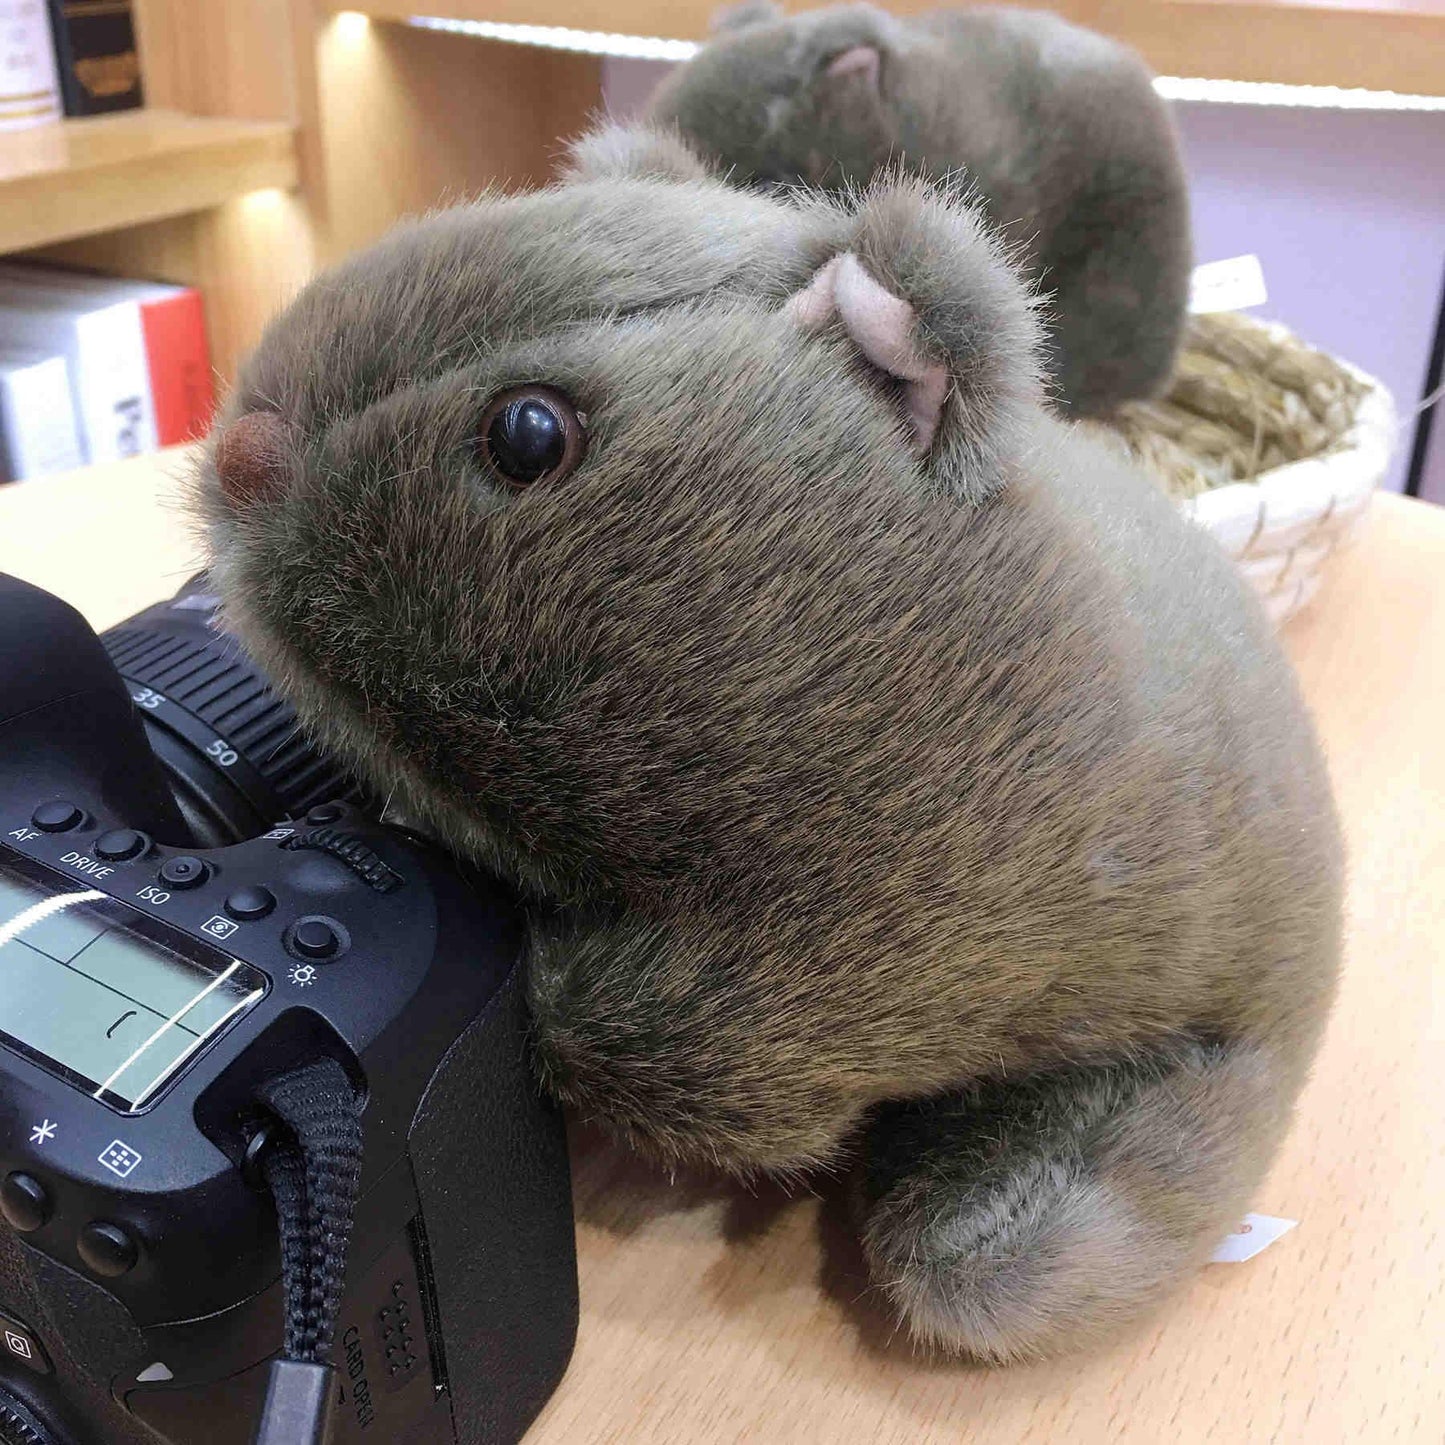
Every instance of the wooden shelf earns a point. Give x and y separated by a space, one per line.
1376 44
80 177
1370 44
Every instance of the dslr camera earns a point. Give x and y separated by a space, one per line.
248 1030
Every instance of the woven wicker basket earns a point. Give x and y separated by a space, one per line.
1272 446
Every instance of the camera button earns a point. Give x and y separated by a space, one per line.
250 902
325 813
317 939
121 844
24 1202
22 1346
184 872
57 817
107 1249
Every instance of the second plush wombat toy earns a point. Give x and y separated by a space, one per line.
1071 152
893 776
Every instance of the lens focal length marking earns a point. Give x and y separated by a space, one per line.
237 769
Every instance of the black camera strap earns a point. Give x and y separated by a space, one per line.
313 1169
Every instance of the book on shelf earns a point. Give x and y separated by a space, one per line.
135 354
37 418
104 353
178 362
96 55
29 88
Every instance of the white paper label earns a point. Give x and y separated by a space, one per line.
1255 1233
1227 285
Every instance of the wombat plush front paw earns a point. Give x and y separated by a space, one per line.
1021 1219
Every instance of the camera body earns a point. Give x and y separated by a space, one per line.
146 989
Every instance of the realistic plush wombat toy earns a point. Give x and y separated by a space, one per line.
893 776
1071 152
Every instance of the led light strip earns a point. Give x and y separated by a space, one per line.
559 37
1171 87
1309 97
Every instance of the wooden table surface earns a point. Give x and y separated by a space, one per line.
711 1314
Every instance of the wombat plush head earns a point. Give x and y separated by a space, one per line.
782 100
1057 131
522 504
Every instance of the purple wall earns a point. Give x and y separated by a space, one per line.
1345 209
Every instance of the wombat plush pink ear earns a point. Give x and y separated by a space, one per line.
885 329
927 295
858 62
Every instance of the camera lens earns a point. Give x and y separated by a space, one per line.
234 752
19 1425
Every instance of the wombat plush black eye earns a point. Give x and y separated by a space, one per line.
530 433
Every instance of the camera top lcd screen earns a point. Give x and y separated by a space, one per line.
86 991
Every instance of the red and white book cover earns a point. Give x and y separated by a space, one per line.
178 359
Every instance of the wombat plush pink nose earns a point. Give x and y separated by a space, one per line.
251 458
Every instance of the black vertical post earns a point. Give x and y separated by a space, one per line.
1434 372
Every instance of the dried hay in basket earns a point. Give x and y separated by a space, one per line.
1273 446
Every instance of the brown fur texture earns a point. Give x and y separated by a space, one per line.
957 807
1057 129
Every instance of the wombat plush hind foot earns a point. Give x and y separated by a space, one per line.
1020 1219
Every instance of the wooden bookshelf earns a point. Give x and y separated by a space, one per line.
280 135
79 177
286 133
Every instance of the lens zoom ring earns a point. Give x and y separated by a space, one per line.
218 684
18 1426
